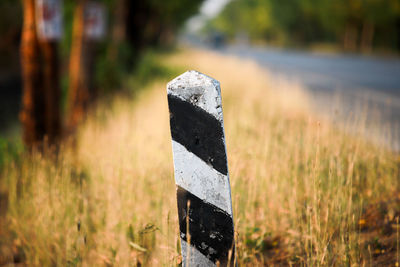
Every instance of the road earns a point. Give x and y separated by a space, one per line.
354 79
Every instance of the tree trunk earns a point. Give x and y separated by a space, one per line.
89 64
32 101
52 91
367 37
350 37
78 94
119 28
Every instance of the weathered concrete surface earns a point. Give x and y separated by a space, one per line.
201 171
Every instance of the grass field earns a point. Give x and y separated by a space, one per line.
304 192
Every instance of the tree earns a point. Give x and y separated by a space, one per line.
78 93
40 115
152 22
33 103
351 24
137 26
52 90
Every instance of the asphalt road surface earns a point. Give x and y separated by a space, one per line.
348 86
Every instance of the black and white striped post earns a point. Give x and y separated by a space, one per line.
201 170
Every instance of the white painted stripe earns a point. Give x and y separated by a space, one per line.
200 179
195 257
198 89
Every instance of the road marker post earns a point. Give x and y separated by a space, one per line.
201 170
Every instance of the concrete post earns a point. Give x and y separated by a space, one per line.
201 170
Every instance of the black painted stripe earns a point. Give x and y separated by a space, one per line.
210 228
199 132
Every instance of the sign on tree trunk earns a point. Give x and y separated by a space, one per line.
49 19
95 21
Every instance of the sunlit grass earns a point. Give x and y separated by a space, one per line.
300 186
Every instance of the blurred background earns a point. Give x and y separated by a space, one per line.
329 46
85 52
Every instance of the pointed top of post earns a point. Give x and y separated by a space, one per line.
192 78
199 90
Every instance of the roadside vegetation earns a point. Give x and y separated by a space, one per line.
304 192
366 26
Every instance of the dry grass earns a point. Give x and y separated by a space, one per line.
301 188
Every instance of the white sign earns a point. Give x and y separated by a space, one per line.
95 21
49 19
